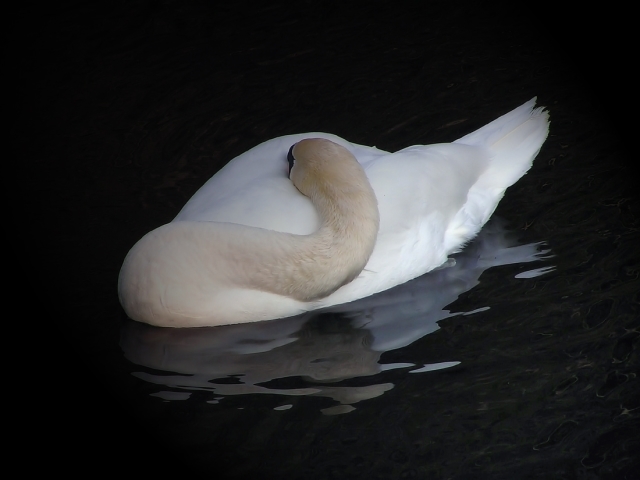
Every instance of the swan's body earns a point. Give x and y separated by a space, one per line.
249 246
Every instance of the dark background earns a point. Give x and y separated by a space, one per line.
125 108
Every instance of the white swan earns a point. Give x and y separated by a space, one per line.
250 246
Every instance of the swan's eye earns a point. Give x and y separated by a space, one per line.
290 158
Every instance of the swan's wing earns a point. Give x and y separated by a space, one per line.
420 192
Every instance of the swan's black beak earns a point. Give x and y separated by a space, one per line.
290 158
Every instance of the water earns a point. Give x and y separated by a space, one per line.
517 360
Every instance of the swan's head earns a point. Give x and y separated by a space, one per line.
317 161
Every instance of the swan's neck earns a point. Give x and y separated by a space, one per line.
338 251
316 265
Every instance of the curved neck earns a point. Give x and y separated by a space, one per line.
316 265
338 251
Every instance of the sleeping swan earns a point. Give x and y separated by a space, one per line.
307 221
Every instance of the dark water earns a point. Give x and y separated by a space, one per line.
521 361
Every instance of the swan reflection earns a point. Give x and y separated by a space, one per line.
318 349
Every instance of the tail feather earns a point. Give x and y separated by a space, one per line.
501 126
513 141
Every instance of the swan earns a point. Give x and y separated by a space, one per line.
307 221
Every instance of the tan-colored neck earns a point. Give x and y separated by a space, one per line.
338 187
341 247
